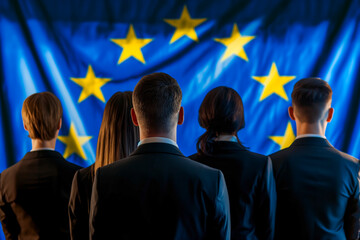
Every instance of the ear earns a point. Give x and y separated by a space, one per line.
181 116
133 117
330 114
60 124
291 112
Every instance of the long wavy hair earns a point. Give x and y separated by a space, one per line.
221 112
118 136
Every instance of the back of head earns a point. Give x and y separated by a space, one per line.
221 112
41 113
157 101
310 98
118 137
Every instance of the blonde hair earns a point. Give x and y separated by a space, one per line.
118 137
41 113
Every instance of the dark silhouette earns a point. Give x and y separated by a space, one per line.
34 193
118 137
157 193
248 175
317 185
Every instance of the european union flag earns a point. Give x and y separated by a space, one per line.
85 51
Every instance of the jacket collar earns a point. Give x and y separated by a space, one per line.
158 140
42 154
225 146
311 141
157 148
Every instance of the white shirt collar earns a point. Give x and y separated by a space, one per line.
158 140
40 149
310 135
226 138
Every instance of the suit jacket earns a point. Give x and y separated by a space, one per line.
318 191
79 203
34 195
157 193
250 182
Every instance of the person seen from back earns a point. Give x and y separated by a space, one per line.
317 185
249 177
118 137
34 193
156 192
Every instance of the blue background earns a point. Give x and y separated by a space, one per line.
45 43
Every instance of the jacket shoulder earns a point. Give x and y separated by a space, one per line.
236 157
86 175
72 166
10 171
167 165
347 159
280 153
256 156
67 165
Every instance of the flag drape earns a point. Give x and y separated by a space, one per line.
85 51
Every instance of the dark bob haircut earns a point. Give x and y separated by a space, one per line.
221 112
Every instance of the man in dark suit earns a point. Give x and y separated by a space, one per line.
317 185
34 193
157 193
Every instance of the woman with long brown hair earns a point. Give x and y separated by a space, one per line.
249 177
118 137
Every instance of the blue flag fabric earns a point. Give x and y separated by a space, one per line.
85 51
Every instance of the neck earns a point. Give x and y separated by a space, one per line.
147 134
310 128
38 144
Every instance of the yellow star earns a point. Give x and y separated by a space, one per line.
286 140
235 44
185 26
131 46
74 143
274 83
91 85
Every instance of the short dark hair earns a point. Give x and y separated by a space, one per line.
310 96
157 101
41 113
221 111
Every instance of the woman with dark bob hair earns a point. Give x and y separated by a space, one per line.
249 177
118 137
